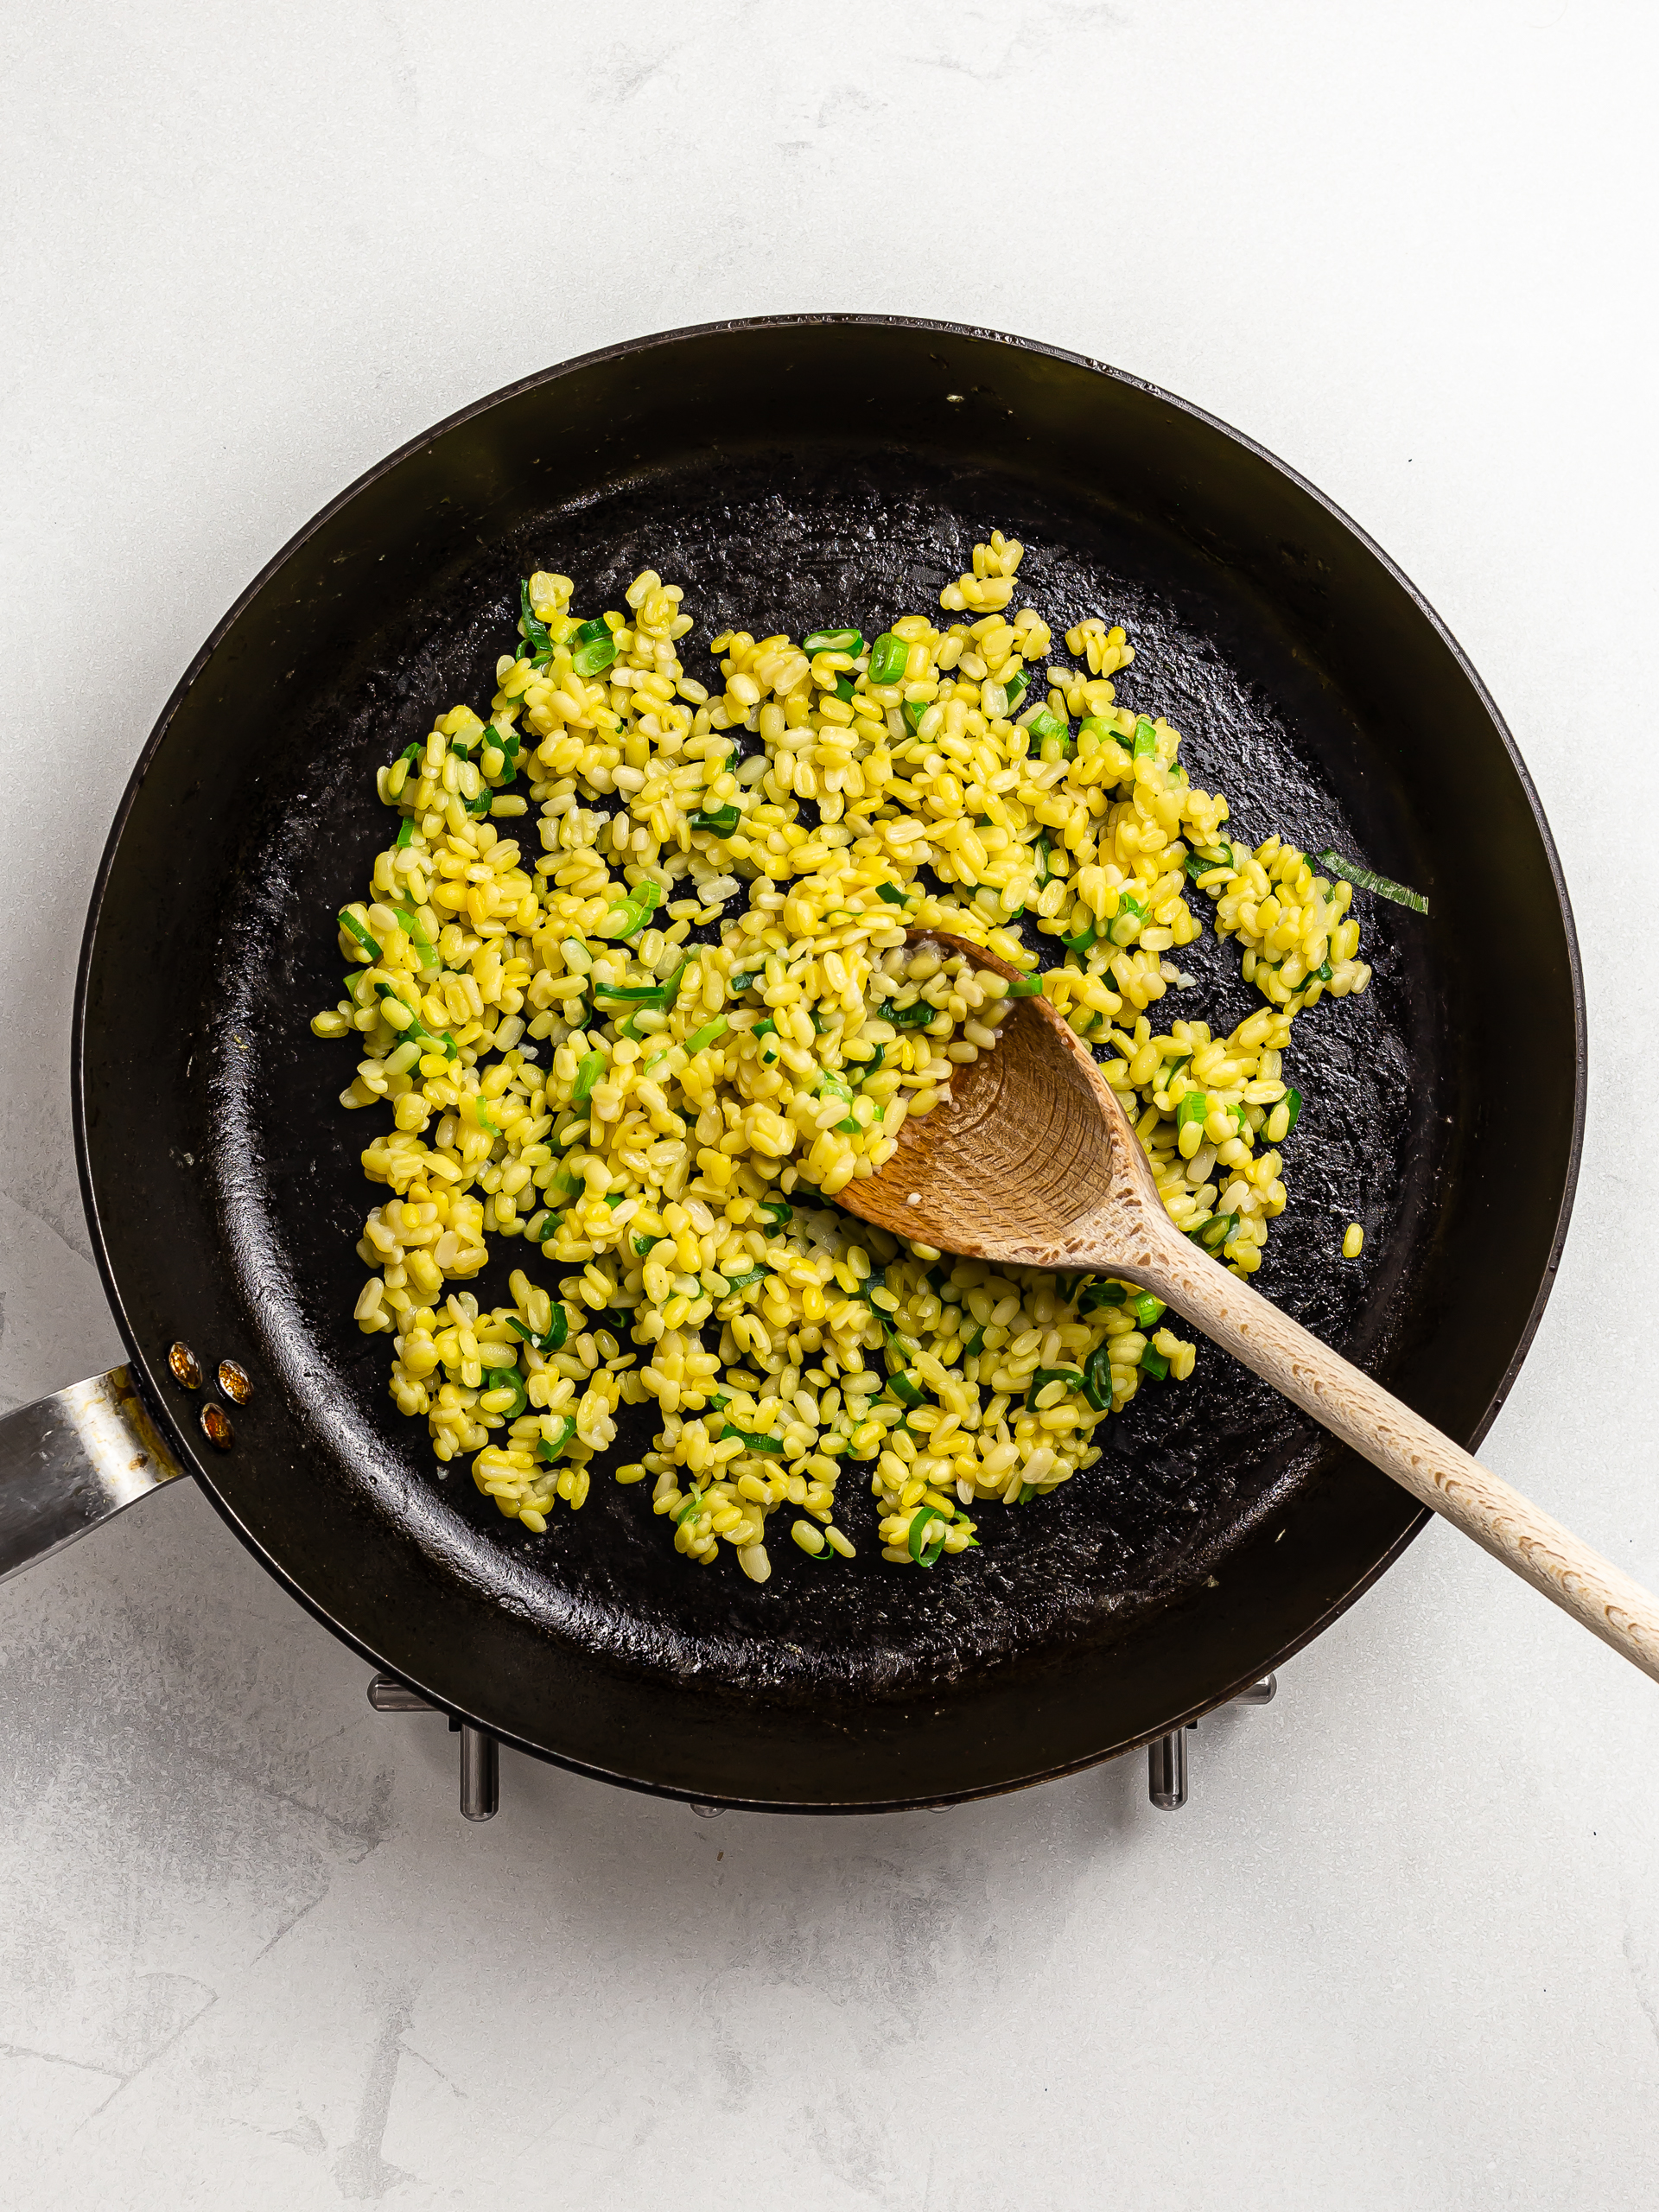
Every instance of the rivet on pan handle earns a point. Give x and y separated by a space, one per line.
481 1755
1167 1755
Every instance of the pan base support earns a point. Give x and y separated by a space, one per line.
1167 1755
481 1755
481 1793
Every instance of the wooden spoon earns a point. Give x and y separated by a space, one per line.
1030 1163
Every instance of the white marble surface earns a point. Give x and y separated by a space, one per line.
1402 1948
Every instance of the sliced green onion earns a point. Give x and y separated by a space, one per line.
1070 1376
1292 1101
415 1028
722 822
754 1443
405 834
914 710
833 641
1147 1309
1214 1233
370 944
975 1345
551 1449
1197 865
536 634
1101 1294
643 995
776 1213
1043 726
589 1071
1154 1363
1084 938
1028 1492
628 916
1146 739
1025 987
742 1281
844 690
920 1522
915 1016
699 1038
891 894
1098 1377
1383 885
642 1245
889 657
904 1390
1015 687
558 1329
688 1511
507 1378
410 923
594 658
1195 1107
1040 852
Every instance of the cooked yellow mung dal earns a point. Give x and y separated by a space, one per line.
663 1123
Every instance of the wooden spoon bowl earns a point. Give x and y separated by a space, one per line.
1030 1162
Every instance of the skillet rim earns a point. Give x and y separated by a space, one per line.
176 1431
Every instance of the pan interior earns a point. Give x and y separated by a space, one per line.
788 474
789 540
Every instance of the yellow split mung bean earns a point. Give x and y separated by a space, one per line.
638 994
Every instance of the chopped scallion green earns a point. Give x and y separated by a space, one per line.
1383 885
920 1522
370 945
833 641
753 1443
551 1448
888 659
1070 1376
507 1378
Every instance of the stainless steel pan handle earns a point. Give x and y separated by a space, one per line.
69 1461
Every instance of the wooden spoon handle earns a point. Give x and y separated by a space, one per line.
1435 1471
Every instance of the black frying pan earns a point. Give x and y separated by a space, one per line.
791 472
